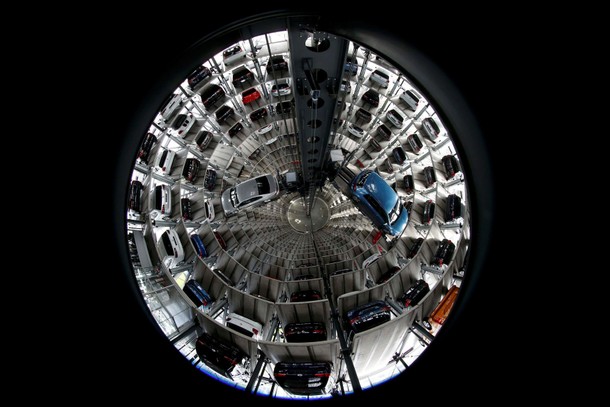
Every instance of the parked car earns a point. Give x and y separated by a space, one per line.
236 128
276 63
428 215
259 114
384 132
233 54
302 378
164 161
144 153
364 115
305 295
135 196
190 172
371 259
197 293
210 179
162 199
223 113
368 316
284 107
203 139
220 240
265 129
242 75
351 66
375 145
388 274
379 202
395 118
250 95
199 246
169 106
298 332
249 194
185 209
170 248
209 208
371 97
444 253
219 354
429 177
415 143
399 155
345 86
244 325
409 207
381 78
200 74
453 208
408 183
355 130
411 99
211 94
451 166
442 310
414 294
183 123
281 89
430 127
415 248
388 165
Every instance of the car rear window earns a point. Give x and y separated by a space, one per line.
263 185
167 244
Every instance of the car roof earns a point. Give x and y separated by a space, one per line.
384 194
249 188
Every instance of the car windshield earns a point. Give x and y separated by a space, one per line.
263 185
233 197
395 212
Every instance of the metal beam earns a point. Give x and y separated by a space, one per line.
423 331
255 376
432 269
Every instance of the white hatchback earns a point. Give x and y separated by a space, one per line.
164 161
170 248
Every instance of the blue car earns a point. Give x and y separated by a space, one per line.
197 293
379 202
199 247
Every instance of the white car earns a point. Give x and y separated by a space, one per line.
381 78
249 194
345 86
411 99
209 210
370 260
281 89
265 129
183 124
233 54
355 130
244 325
170 248
170 105
164 161
161 201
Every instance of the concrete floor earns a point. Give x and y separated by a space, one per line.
298 219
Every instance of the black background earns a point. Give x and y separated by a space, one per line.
124 350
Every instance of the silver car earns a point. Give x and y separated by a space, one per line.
249 194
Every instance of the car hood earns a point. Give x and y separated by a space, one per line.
385 193
248 189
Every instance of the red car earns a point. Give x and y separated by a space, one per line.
250 95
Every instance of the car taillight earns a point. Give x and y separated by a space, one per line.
353 320
322 375
255 331
280 374
317 331
407 303
233 361
180 132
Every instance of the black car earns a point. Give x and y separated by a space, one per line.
224 113
388 274
210 179
451 165
284 107
351 66
429 177
191 169
305 332
185 209
388 165
219 354
212 94
203 139
305 295
415 248
197 293
242 75
409 207
147 145
375 145
371 97
302 378
237 127
429 207
277 63
135 196
415 143
399 155
430 127
259 114
453 208
444 253
368 316
364 115
198 75
414 294
384 132
408 183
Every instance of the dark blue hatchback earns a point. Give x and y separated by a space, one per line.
379 202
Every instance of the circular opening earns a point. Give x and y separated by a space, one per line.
314 124
317 45
319 75
313 139
312 160
318 104
314 151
